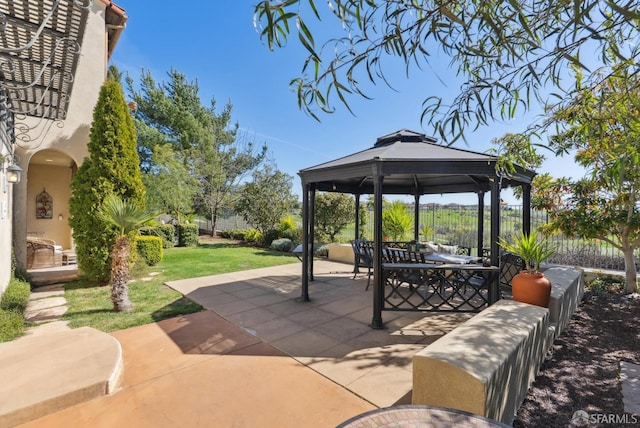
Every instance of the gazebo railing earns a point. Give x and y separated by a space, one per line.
439 287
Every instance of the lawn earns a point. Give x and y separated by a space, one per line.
90 305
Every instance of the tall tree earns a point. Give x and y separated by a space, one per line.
127 218
171 188
267 198
602 126
203 140
507 55
333 212
220 171
112 168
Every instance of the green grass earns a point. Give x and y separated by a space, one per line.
90 305
212 259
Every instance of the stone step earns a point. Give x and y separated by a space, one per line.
42 374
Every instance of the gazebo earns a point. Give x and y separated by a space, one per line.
407 163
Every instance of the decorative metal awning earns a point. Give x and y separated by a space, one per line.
39 50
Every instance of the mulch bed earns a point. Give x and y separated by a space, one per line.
583 371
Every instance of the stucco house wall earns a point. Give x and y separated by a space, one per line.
68 138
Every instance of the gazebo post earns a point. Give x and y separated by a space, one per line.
378 289
494 287
480 223
526 209
357 232
304 296
312 229
416 217
495 222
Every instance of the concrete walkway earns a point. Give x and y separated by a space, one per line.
46 307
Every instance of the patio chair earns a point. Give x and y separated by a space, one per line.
362 258
43 253
510 266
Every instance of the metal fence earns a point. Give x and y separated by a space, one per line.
458 224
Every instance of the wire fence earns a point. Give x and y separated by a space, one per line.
458 224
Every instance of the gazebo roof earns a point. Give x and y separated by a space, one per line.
411 163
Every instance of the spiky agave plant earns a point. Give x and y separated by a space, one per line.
127 217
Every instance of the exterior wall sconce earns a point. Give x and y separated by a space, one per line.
59 216
13 171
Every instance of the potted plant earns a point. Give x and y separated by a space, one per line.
530 285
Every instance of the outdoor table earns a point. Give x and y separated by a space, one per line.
419 416
450 258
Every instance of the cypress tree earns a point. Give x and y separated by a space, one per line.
112 168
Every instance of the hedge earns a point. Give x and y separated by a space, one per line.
166 231
187 235
150 249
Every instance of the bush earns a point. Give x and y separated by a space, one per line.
150 249
187 235
12 305
16 296
165 231
253 235
270 236
284 244
237 234
11 325
295 234
287 222
321 251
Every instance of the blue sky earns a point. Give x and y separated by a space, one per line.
216 44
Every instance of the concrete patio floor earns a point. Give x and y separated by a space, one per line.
260 357
330 334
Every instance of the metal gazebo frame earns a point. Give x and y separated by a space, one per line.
407 163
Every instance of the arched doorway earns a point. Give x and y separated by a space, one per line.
48 193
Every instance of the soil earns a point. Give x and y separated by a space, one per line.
582 372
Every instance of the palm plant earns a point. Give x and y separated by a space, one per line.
532 250
127 217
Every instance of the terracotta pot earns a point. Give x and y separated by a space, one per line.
532 288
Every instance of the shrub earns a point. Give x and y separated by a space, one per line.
150 249
165 231
12 305
396 221
187 235
603 284
253 235
237 234
287 222
285 245
270 236
16 296
294 233
11 325
321 251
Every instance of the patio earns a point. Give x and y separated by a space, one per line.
257 357
331 334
